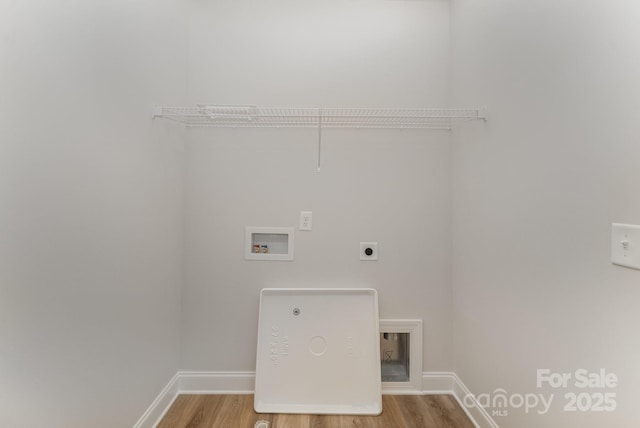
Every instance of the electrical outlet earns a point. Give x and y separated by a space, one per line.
305 220
368 251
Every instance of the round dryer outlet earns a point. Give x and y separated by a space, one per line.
368 251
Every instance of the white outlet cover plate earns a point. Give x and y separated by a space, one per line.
318 352
306 218
625 245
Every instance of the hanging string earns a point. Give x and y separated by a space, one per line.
319 138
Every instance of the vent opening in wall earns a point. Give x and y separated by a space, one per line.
394 357
401 356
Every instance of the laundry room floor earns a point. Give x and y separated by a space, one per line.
236 411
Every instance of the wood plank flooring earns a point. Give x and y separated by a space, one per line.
236 411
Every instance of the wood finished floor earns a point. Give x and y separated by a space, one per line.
236 411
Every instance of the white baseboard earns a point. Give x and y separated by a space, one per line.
243 383
217 382
437 383
471 406
160 405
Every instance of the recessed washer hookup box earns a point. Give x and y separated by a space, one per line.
318 352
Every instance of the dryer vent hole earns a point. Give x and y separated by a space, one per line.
394 356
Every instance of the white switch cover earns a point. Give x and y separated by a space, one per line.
625 245
305 220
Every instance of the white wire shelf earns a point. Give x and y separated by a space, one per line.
247 116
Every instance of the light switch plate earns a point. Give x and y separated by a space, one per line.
625 245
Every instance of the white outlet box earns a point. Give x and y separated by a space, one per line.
268 243
368 251
625 245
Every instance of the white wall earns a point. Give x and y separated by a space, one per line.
91 191
90 210
387 186
535 192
